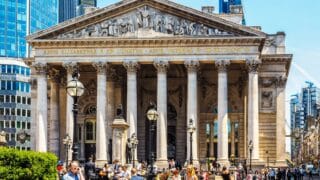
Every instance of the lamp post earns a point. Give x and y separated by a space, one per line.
75 89
67 143
191 129
3 141
134 142
152 116
250 146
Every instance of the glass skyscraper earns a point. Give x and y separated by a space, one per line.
19 18
69 9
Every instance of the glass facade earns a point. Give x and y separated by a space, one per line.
69 9
15 101
14 19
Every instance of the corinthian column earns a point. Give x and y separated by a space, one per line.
253 108
42 108
54 133
162 157
70 67
101 141
192 108
132 104
222 112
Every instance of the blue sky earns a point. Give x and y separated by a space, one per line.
299 19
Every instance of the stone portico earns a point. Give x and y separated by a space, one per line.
228 78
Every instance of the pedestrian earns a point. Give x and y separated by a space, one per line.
134 175
225 173
74 172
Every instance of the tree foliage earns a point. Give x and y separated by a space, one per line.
27 165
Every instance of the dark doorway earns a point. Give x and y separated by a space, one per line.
90 151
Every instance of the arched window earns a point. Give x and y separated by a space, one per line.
90 131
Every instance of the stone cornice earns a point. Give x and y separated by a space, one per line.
130 42
128 5
278 58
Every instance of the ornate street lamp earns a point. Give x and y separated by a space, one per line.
191 129
232 158
152 116
67 143
3 141
134 143
75 89
250 146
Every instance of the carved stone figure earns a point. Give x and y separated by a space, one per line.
145 17
169 25
267 99
105 28
130 26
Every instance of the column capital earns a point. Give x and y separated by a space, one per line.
161 65
253 65
222 65
131 66
55 75
70 66
100 67
192 66
41 68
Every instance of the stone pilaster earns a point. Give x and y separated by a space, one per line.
232 139
281 124
162 66
253 108
70 67
54 131
101 135
42 108
222 112
192 108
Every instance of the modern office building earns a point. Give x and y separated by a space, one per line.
232 7
304 109
134 52
15 102
18 18
69 9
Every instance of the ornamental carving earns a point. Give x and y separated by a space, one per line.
267 82
41 68
145 19
100 67
267 99
192 66
222 65
161 65
55 75
131 66
253 65
70 67
281 81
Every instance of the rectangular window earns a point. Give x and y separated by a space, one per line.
13 137
13 111
23 70
1 124
3 85
23 125
17 84
29 113
28 125
18 99
7 111
9 69
7 98
27 87
7 124
13 98
13 124
22 87
1 98
24 112
24 100
3 68
18 124
29 101
18 112
9 85
28 72
1 111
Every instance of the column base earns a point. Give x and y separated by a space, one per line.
223 162
100 163
256 164
161 163
281 163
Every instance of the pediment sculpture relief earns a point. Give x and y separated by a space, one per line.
148 22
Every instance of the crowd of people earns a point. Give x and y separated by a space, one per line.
175 171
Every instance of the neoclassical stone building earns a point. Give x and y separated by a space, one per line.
228 78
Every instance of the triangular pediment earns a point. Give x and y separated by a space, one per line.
145 19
